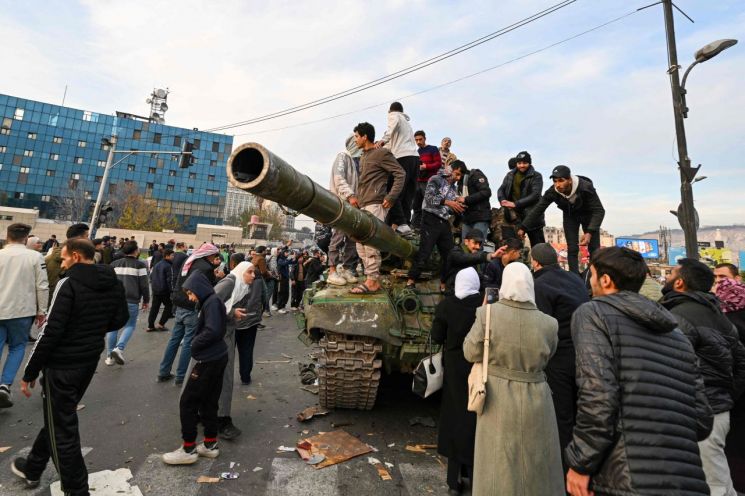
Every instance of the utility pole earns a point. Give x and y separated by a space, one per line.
102 187
687 216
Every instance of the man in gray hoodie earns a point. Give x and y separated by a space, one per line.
399 139
344 177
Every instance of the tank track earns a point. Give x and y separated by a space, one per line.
349 372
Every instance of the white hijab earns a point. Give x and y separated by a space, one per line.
517 283
466 283
241 288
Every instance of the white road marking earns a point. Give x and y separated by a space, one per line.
106 483
13 486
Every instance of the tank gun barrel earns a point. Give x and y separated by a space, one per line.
253 168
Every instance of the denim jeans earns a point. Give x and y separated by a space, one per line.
127 330
15 333
269 292
482 226
183 330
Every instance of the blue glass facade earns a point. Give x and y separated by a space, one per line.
49 151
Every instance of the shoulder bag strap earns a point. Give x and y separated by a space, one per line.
487 331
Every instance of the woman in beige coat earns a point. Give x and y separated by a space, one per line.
517 441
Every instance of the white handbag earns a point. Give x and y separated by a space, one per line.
428 375
479 373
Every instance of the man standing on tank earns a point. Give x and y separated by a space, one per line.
521 190
376 165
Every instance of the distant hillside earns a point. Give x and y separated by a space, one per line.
733 235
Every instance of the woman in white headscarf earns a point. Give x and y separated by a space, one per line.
243 302
517 440
453 318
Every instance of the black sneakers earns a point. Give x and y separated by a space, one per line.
227 430
5 401
19 468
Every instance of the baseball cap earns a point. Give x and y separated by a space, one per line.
475 235
561 171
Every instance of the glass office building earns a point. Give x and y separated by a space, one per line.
49 152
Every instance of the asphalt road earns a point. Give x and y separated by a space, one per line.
129 419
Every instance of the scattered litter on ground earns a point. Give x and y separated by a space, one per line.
286 426
264 362
258 469
250 397
3 449
382 472
315 459
308 374
286 356
310 388
389 465
306 431
80 407
392 445
373 448
336 425
310 412
420 448
425 421
232 474
337 446
206 479
286 449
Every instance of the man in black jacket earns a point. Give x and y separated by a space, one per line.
66 353
559 293
577 198
474 193
161 281
721 358
641 405
204 260
521 191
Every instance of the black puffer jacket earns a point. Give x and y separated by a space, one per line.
559 293
477 201
530 193
720 353
641 406
87 303
586 206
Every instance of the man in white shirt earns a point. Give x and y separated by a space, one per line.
24 292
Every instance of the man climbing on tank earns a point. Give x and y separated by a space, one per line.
376 166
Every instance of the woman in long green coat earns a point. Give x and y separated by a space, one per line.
517 441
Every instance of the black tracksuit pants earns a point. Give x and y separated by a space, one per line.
572 224
284 292
435 232
421 187
400 213
59 439
297 293
158 299
200 398
244 342
560 378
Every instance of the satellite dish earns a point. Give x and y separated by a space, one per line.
156 116
160 93
148 101
164 106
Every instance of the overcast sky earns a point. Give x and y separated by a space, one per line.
600 103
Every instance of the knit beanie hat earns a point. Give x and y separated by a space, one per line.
544 254
524 157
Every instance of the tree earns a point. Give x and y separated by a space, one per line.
72 204
268 213
133 211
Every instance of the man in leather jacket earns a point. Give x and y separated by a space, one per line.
521 191
641 404
721 358
474 193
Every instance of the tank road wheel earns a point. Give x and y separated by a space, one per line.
349 374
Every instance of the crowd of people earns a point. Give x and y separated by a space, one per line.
591 387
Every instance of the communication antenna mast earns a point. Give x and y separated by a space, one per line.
158 101
665 237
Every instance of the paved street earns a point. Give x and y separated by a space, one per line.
128 420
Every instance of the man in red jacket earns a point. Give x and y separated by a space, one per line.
431 163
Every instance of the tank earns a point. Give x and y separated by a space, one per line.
359 335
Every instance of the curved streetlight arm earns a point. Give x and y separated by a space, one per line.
685 75
683 105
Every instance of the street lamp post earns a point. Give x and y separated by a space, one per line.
686 213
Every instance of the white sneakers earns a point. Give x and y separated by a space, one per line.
349 276
118 356
181 457
337 279
109 361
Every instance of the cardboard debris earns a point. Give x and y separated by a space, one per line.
250 397
420 448
425 421
3 449
337 446
311 389
206 479
310 412
382 472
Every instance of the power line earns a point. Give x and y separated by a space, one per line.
402 72
448 83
